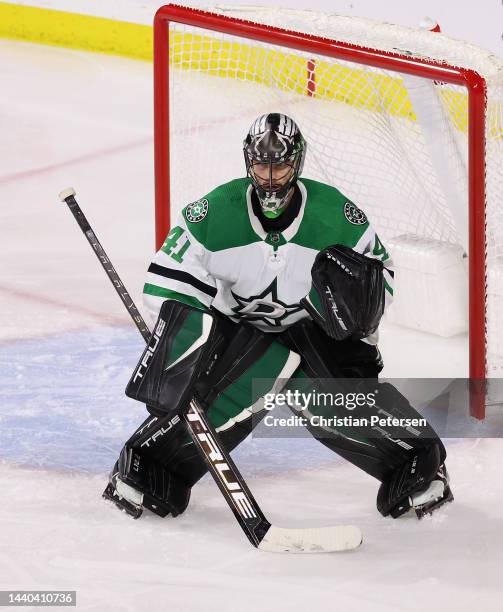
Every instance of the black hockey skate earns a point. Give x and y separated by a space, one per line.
421 484
133 508
436 495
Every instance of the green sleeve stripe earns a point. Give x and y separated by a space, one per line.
386 286
173 295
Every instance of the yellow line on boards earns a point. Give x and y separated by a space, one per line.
75 31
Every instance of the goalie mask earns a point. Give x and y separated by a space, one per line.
274 151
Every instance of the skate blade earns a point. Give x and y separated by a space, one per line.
123 504
430 507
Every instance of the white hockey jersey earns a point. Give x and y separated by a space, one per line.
219 255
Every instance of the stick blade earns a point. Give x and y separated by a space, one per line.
313 540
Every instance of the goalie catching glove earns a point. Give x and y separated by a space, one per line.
347 293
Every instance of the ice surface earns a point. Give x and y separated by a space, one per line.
67 349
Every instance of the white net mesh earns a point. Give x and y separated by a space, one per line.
395 144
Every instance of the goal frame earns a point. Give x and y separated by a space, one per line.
474 83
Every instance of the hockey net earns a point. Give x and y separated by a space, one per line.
405 122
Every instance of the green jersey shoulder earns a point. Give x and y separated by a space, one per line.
329 218
220 219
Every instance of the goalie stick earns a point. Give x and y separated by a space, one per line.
250 517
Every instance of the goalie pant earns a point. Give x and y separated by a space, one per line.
160 463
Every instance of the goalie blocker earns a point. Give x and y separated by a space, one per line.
202 354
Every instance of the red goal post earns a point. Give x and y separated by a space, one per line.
404 63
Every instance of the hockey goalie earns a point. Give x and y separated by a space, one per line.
275 277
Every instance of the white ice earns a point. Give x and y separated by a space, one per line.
67 349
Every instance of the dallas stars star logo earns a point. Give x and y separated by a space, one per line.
197 211
265 307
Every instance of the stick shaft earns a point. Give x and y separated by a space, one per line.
127 300
218 461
